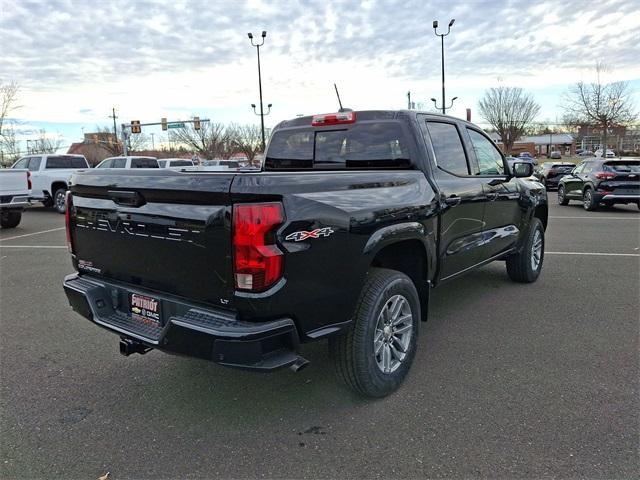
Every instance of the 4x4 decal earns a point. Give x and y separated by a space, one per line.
303 234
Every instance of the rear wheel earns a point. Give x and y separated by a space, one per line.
588 200
59 200
375 354
525 266
562 196
10 219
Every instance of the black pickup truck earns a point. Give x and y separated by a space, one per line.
354 218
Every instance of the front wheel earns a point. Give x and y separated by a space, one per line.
562 196
10 219
375 354
59 200
526 265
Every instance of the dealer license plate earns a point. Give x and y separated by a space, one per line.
145 310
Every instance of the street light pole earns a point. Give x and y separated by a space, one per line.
442 35
153 145
262 114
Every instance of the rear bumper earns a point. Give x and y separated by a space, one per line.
617 198
14 202
186 329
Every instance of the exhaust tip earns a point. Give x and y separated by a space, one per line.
299 364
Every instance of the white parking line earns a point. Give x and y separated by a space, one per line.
596 254
630 217
30 234
31 246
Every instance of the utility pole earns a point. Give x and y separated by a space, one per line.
409 100
115 130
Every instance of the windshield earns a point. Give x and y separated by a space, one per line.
66 161
363 145
623 166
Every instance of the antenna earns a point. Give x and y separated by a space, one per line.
338 94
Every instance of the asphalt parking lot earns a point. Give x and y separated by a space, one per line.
509 381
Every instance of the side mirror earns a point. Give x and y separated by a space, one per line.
521 169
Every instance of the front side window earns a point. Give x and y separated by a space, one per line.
105 163
489 157
447 146
119 162
22 163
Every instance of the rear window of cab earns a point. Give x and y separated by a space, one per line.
374 144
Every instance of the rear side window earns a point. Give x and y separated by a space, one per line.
447 146
363 145
65 161
144 163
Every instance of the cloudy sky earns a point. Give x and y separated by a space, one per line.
74 60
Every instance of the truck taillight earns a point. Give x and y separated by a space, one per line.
29 180
333 119
257 259
68 201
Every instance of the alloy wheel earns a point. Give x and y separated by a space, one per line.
536 250
393 334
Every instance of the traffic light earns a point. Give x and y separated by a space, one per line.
196 123
164 123
135 126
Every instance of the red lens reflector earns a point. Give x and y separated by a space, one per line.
333 119
257 260
29 185
68 201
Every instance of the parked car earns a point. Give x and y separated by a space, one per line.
356 216
175 163
602 181
50 175
586 153
555 155
129 162
549 173
609 154
15 189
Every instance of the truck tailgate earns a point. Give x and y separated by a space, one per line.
13 182
157 230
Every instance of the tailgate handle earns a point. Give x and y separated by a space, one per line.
132 199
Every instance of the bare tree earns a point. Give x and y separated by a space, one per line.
9 146
603 105
45 143
509 110
211 141
246 139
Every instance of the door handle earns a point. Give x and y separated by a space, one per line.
453 200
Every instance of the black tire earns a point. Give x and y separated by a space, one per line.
520 266
355 359
588 200
59 204
10 219
562 197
